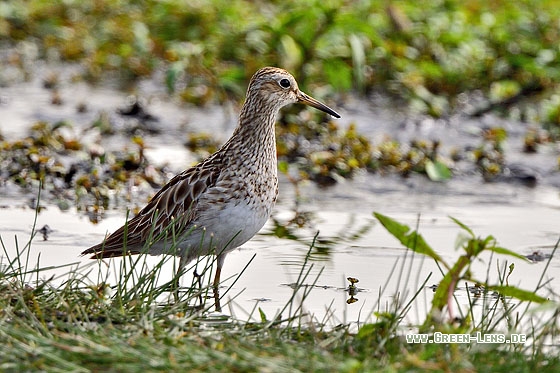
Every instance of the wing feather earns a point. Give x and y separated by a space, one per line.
175 203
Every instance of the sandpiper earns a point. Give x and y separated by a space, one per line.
221 203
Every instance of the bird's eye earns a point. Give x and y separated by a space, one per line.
284 83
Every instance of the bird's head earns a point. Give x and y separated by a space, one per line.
276 88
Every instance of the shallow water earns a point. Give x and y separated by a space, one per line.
522 219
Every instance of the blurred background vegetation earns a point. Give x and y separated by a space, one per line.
433 54
433 58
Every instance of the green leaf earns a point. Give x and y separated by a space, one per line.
460 224
462 240
262 315
358 60
437 171
283 167
338 74
172 75
291 52
411 240
522 295
504 251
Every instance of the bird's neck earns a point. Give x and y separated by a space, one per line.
256 131
257 125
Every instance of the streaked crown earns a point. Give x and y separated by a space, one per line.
274 88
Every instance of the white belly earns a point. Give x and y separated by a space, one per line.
233 225
218 230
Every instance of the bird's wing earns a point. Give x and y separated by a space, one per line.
170 212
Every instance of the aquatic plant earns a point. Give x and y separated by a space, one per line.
95 176
454 274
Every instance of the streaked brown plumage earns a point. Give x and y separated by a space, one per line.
219 204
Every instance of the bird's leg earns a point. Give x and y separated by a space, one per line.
219 263
198 280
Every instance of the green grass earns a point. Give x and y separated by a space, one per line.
74 323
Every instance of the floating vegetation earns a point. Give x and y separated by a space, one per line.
419 157
54 157
97 180
352 290
489 156
538 256
533 138
551 108
322 151
439 59
202 144
45 231
325 153
309 148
